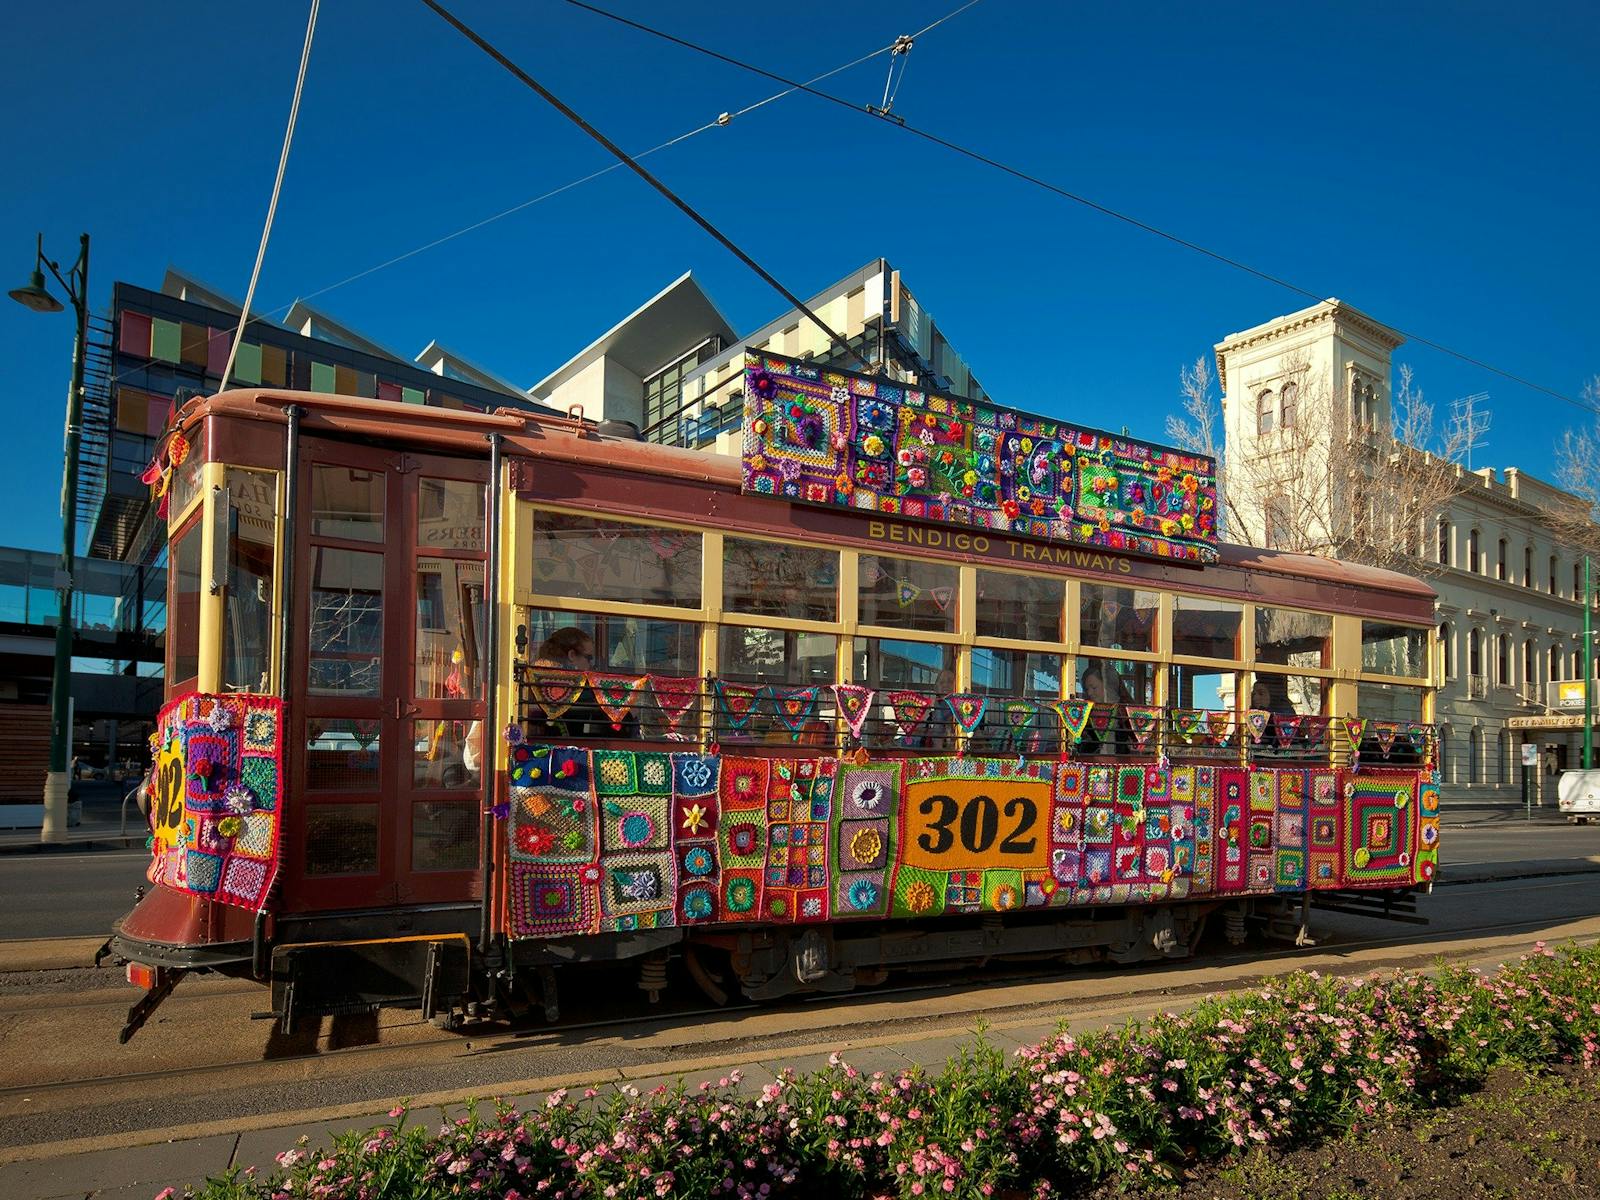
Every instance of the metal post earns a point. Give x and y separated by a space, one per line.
1588 670
489 744
56 783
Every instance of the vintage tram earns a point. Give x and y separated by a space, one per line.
459 702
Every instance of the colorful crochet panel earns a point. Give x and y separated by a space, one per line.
216 809
852 441
615 840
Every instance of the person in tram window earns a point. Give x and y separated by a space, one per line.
1271 694
571 649
938 731
1102 686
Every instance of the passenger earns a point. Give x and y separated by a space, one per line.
938 735
1104 693
570 649
1270 694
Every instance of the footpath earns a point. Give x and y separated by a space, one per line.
924 1031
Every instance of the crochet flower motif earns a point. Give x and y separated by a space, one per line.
866 845
919 896
635 829
741 895
698 861
535 840
221 718
1004 898
745 786
696 904
694 818
639 885
238 799
742 839
863 895
867 795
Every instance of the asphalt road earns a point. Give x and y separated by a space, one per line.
80 893
67 893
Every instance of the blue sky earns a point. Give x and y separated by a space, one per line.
1436 164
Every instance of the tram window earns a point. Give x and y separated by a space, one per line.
186 482
342 754
1016 673
440 757
1024 607
889 662
450 629
346 622
776 656
608 560
626 644
444 835
772 580
183 626
347 504
1122 682
1206 628
1388 702
1294 639
1118 618
247 603
1211 688
1388 649
449 515
900 593
341 839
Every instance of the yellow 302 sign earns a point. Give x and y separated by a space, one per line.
971 824
166 806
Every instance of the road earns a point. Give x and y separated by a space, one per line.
79 1111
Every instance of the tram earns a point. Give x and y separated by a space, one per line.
459 703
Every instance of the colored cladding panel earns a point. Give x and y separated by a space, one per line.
216 810
613 840
850 441
166 340
134 335
323 378
247 364
413 395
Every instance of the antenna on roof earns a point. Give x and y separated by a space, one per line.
1469 426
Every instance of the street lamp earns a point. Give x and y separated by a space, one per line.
35 296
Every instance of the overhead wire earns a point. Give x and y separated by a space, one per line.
896 121
277 188
633 164
722 120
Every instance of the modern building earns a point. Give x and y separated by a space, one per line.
1497 548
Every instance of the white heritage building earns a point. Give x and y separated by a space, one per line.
1510 606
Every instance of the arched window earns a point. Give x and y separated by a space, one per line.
1555 663
1501 570
1264 413
1449 651
1473 562
1475 756
1527 566
1444 542
1502 660
1577 582
1552 574
1475 652
1288 398
1503 745
1530 667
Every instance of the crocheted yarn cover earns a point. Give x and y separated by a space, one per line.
216 811
615 840
853 441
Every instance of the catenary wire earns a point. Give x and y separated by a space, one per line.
722 120
277 187
1075 197
633 164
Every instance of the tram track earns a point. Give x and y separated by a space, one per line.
612 1048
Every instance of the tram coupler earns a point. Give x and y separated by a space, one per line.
158 983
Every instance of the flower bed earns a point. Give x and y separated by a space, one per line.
1294 1061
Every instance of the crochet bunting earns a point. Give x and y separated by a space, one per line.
615 694
675 696
910 709
795 706
738 702
555 691
855 705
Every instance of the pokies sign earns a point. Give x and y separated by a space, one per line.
835 438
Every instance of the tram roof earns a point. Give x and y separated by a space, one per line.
575 440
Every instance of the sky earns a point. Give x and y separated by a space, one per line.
1437 165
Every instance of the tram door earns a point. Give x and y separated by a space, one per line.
390 689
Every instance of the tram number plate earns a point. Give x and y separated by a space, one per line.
167 803
963 824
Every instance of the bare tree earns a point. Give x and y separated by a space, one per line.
1578 471
1328 480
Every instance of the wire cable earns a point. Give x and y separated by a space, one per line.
1018 173
633 164
277 187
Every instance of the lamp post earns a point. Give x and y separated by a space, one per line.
34 296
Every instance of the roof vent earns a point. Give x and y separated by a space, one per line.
612 427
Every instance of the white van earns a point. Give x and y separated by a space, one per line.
1578 795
